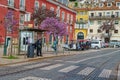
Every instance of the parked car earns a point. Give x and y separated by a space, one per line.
96 44
114 43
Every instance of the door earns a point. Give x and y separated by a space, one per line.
80 35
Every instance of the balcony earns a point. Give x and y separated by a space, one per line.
82 22
103 17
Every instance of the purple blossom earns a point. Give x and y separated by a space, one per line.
54 26
9 21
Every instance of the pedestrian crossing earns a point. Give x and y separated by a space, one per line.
61 68
33 78
86 71
51 67
68 69
105 73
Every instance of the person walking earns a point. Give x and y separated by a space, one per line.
39 47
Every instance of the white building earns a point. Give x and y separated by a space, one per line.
105 11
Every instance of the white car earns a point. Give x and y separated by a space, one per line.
96 44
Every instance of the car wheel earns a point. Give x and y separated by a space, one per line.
96 47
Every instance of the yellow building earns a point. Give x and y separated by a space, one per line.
81 27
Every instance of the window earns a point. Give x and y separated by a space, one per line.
99 31
91 22
81 19
22 4
99 22
27 17
107 31
117 14
21 19
100 14
58 11
116 22
71 19
109 4
63 16
43 6
51 8
11 3
108 14
35 23
36 4
115 31
81 13
118 4
91 30
101 5
68 17
92 14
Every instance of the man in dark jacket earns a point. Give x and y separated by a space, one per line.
39 47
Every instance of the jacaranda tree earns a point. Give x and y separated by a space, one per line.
54 27
40 14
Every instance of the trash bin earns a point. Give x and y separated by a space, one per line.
30 51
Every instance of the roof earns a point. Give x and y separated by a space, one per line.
33 29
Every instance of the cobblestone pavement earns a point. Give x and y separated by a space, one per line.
94 65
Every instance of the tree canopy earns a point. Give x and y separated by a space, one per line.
54 26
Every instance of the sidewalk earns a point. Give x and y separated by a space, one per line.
46 55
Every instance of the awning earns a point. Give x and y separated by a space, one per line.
33 29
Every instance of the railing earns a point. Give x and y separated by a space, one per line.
103 17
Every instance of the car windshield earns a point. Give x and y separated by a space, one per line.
94 42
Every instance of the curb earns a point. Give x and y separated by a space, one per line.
47 57
35 59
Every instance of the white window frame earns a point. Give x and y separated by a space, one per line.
27 17
58 11
22 18
22 5
52 8
63 15
43 5
108 4
108 14
11 3
37 4
117 4
100 4
71 21
68 15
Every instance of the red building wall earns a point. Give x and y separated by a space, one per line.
29 8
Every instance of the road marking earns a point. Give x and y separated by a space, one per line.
20 64
86 71
51 67
118 76
96 56
59 60
68 69
36 65
33 78
105 73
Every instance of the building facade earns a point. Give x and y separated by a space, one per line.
81 27
105 12
23 10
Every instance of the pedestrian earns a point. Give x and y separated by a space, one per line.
39 47
54 46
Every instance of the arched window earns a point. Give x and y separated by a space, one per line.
80 35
